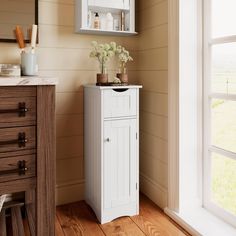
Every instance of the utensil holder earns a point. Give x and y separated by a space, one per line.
29 64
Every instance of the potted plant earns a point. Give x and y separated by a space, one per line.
124 58
103 53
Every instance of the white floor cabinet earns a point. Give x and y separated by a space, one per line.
112 150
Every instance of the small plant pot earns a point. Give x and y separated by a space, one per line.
123 77
102 78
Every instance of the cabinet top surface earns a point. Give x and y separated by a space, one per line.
28 81
113 87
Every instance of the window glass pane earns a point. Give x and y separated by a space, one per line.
223 182
224 68
223 18
224 124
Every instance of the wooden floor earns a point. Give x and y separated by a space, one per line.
78 219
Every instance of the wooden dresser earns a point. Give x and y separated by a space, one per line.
27 156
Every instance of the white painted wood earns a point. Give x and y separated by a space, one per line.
209 42
119 162
82 8
119 104
107 32
118 4
111 151
221 40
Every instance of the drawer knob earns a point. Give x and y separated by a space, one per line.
21 170
108 140
21 141
22 109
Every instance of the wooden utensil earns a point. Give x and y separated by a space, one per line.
20 37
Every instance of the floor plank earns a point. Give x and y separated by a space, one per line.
78 219
122 226
58 229
152 221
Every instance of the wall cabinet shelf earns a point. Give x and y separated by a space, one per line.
112 151
85 12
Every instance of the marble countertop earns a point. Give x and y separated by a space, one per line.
28 81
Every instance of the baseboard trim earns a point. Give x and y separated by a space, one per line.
153 190
69 192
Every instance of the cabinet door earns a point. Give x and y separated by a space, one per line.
120 163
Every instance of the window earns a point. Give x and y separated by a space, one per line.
220 108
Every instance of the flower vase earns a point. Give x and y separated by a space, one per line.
102 78
123 76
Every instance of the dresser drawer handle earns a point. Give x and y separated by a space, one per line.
21 170
21 141
120 90
21 110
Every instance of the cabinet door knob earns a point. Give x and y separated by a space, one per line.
108 140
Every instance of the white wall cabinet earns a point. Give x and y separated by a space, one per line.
86 9
112 150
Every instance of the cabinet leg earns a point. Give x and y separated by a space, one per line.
17 223
3 231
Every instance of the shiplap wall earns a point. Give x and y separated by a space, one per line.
153 75
64 54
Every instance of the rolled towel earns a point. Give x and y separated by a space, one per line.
2 200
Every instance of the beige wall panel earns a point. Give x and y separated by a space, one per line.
9 53
154 125
154 103
155 59
153 81
56 14
142 4
70 2
154 38
69 192
65 59
154 16
154 169
69 170
69 103
154 146
69 125
61 36
75 59
154 191
72 80
69 147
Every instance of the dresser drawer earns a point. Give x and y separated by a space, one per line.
15 111
16 139
19 167
18 91
119 102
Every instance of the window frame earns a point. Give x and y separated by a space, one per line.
208 148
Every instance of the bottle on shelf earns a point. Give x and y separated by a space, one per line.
109 22
96 21
89 19
116 25
122 21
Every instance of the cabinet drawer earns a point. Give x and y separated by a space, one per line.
119 102
20 167
18 92
16 139
17 110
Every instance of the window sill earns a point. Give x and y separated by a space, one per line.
199 221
